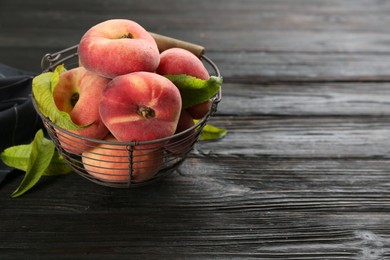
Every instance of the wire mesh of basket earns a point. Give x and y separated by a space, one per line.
122 164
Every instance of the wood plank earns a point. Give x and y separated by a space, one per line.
222 41
304 15
349 38
301 137
250 237
305 99
262 67
338 209
223 184
265 67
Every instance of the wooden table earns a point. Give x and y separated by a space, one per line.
304 172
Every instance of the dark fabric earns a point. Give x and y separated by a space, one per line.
18 118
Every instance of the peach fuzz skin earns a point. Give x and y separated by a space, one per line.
140 106
183 143
180 61
116 47
108 162
78 93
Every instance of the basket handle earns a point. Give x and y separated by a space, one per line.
165 42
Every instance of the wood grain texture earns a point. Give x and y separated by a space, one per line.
302 174
353 99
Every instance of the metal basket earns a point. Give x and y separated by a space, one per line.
122 164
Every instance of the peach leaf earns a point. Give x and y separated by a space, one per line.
42 88
193 90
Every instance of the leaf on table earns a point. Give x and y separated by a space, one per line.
43 86
57 166
210 133
18 157
193 90
37 159
42 151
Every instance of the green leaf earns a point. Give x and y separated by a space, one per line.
210 133
18 157
194 90
56 77
42 88
42 151
57 166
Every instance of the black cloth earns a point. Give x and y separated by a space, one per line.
18 118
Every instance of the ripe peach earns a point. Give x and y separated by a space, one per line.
118 46
78 93
140 106
200 110
183 142
180 61
186 121
111 162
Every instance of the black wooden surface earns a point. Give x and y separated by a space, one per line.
304 172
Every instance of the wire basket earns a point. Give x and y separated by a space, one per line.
122 164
